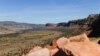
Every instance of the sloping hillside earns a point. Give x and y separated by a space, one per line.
10 26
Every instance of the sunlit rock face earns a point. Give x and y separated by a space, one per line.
78 45
40 52
82 49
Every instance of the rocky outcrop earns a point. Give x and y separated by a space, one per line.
95 27
66 47
91 24
84 23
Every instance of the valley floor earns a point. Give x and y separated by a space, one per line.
21 43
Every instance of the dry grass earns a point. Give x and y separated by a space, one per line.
16 46
23 42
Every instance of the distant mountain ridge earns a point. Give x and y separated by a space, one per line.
86 22
91 23
11 26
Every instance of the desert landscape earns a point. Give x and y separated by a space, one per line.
49 27
22 41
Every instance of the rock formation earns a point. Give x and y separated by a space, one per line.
95 27
81 46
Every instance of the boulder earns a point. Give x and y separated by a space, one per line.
41 52
62 41
82 48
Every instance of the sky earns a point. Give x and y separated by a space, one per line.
47 11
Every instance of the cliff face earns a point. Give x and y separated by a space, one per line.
91 23
87 22
95 27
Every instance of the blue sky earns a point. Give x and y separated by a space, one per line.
47 11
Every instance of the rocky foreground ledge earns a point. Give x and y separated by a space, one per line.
78 45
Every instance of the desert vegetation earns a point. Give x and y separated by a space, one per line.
17 44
